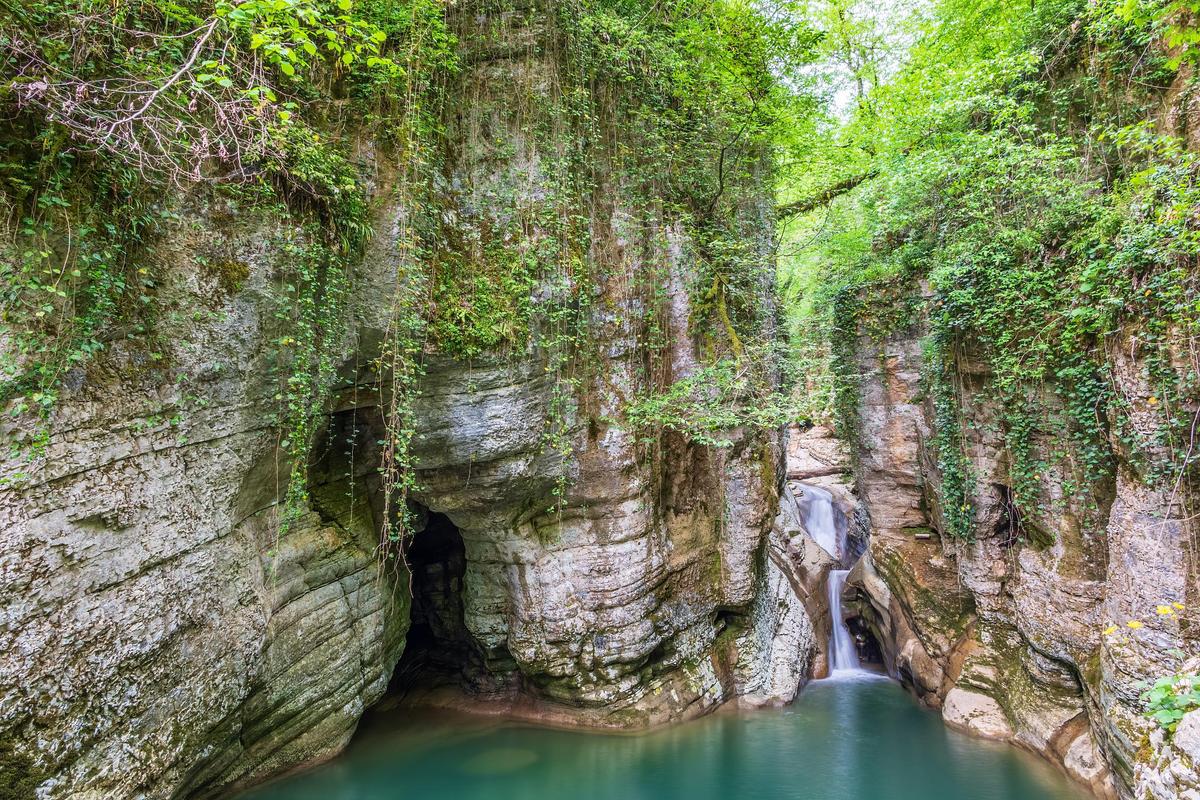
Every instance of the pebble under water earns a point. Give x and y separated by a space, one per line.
859 738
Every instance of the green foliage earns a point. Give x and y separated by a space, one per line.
313 306
78 268
1171 21
1044 218
1170 697
19 776
707 406
292 34
841 369
666 109
70 270
957 487
701 88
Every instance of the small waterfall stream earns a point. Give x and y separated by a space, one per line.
843 655
821 524
817 512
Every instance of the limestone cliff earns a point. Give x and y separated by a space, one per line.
164 635
1009 633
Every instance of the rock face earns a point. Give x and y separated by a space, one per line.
976 713
156 627
164 635
814 452
1171 771
159 633
1006 633
615 608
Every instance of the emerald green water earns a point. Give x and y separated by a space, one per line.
841 740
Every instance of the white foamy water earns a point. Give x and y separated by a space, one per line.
843 655
817 513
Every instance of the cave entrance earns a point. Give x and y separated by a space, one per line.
870 654
438 650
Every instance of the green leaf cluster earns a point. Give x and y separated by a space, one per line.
1039 221
1170 697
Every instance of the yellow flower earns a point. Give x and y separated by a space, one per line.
1165 611
1110 630
1178 606
1133 623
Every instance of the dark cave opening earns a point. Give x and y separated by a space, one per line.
870 654
1009 526
438 649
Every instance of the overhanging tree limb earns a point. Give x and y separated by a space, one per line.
813 202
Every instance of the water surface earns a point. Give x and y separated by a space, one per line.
846 739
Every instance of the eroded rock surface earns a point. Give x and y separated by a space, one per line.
166 635
1006 632
158 631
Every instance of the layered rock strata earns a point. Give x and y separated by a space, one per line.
166 634
1006 633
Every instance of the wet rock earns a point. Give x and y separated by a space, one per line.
975 713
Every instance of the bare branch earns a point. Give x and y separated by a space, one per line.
174 128
187 66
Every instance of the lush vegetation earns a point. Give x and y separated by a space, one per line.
1170 698
1015 186
1004 179
1003 176
129 121
119 114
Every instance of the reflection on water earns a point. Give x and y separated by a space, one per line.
861 739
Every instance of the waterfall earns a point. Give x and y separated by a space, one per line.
843 655
816 508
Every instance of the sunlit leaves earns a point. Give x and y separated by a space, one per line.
1170 697
1173 23
292 35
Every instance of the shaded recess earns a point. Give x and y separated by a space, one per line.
870 654
861 619
437 644
439 649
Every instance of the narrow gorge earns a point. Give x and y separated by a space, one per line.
402 397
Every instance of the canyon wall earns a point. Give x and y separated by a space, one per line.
1021 633
165 634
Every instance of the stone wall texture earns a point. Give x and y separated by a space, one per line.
163 635
1007 634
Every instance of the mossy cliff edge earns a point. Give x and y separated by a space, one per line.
460 281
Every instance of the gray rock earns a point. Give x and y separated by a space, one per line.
1187 736
164 635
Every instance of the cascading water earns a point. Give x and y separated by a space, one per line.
843 655
816 509
821 524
